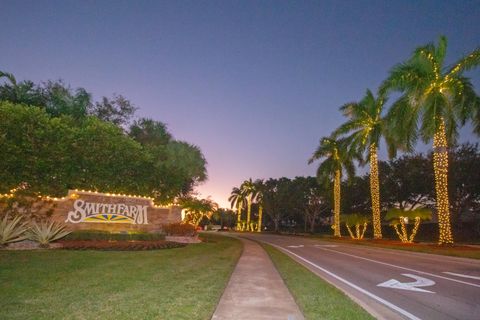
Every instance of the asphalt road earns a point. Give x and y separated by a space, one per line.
391 284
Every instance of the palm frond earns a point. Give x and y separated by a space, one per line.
466 63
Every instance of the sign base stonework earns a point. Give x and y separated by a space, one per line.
85 210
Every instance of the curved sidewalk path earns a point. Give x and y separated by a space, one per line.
255 290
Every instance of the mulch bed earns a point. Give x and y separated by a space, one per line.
119 245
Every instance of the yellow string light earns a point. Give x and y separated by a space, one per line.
375 192
359 231
440 166
403 236
76 192
336 200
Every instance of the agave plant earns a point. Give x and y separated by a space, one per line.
46 232
12 230
360 222
403 218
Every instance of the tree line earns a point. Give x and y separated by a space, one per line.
303 204
435 100
54 138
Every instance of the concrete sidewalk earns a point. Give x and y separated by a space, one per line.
255 290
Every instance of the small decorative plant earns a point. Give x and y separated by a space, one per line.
402 218
253 226
12 230
180 229
242 225
46 232
358 221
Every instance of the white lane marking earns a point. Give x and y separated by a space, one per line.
462 275
354 286
299 246
326 245
405 268
412 286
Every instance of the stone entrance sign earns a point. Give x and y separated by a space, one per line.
85 210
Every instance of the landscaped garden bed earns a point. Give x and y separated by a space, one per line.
119 245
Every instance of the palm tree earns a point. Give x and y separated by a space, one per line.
248 190
198 208
337 157
237 200
9 76
258 197
442 100
367 125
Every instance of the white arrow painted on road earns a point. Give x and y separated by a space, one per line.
299 246
412 286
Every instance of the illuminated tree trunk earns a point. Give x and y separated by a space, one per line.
403 236
359 232
239 218
375 192
249 210
440 166
260 214
336 201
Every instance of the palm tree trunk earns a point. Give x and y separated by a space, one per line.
239 218
249 211
260 214
375 192
336 201
440 167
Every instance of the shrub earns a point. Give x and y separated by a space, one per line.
46 232
121 245
179 229
12 230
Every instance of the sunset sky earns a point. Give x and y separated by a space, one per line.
254 84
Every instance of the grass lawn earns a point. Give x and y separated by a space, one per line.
447 250
182 283
316 298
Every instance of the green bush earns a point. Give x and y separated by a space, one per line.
105 235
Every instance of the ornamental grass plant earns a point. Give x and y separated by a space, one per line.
12 230
45 232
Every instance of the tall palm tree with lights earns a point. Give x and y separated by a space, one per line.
366 125
248 189
441 99
337 157
237 200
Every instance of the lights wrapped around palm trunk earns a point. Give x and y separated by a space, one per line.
375 192
360 222
359 231
336 200
399 220
440 166
403 235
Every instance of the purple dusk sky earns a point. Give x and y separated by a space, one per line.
255 84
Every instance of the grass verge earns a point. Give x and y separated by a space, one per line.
182 283
316 298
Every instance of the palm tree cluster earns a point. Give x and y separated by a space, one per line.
244 196
435 100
